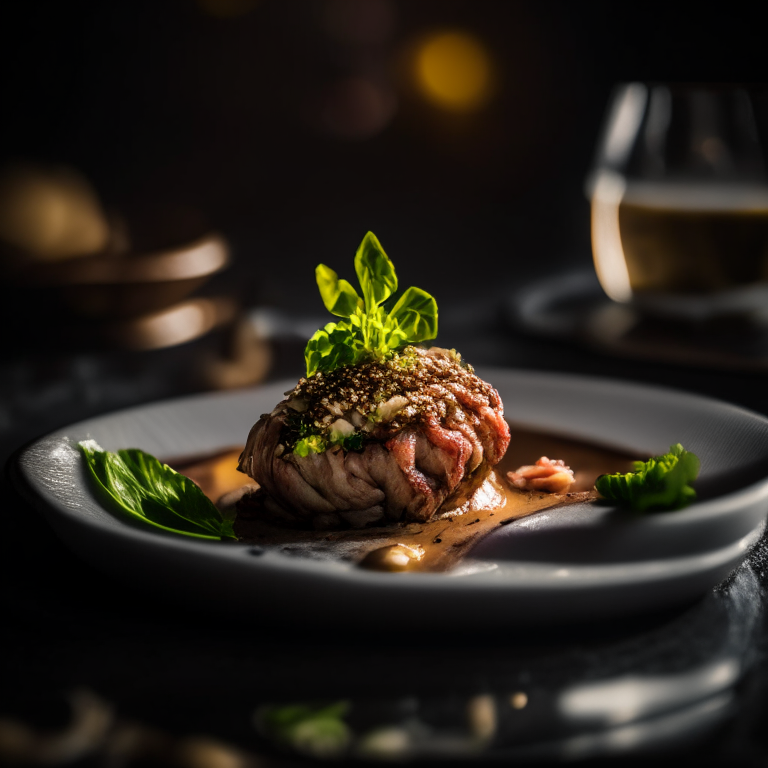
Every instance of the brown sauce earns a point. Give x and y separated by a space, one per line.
438 544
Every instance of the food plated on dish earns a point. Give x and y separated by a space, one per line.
549 566
396 456
391 445
380 430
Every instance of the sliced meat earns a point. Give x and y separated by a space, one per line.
544 475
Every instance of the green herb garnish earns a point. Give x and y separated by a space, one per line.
310 444
369 331
318 731
136 483
353 442
662 482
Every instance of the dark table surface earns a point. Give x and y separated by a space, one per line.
96 673
237 116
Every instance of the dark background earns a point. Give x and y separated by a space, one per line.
293 127
240 116
250 118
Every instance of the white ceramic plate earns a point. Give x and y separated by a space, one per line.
594 562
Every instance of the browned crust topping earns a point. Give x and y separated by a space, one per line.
425 378
394 439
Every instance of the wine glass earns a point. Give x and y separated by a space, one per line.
679 200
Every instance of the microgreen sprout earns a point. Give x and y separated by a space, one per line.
368 331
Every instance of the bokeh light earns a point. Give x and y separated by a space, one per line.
357 108
454 71
50 213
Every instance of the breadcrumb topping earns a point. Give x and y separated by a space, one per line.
414 384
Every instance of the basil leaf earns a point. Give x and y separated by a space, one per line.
661 483
339 297
416 314
167 489
375 272
135 482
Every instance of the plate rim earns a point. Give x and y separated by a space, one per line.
51 506
16 462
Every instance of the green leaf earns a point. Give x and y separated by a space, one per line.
287 715
416 314
375 272
343 332
136 483
330 342
661 483
368 331
339 297
339 355
317 346
318 731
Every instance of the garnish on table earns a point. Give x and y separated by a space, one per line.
136 483
319 731
661 483
369 331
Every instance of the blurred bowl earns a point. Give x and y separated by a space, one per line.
183 322
130 285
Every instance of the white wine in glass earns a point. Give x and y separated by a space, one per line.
679 200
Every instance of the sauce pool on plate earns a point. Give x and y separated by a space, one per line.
440 543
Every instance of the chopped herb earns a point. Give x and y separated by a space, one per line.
661 483
135 483
309 444
352 442
297 426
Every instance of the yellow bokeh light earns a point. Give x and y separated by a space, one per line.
454 71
